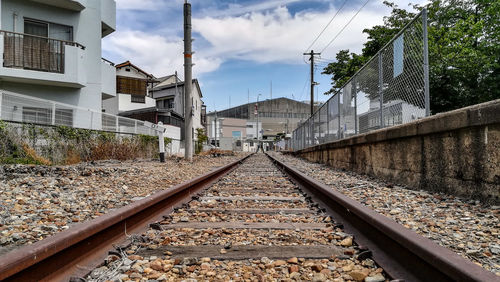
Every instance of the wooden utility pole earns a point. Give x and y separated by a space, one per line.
312 54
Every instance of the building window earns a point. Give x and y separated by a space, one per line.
249 125
236 134
37 115
165 103
128 85
238 143
138 99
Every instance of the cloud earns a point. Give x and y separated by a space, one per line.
154 53
279 36
265 32
238 9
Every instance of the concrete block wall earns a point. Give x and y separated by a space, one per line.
456 153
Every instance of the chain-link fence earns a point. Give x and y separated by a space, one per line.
391 89
15 107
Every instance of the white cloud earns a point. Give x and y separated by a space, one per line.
153 53
264 36
277 36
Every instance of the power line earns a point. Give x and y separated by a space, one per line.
304 88
349 22
327 25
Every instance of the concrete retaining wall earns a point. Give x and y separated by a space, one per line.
456 152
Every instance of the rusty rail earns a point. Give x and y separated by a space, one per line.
76 251
402 253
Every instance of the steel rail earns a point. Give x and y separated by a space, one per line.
401 252
76 251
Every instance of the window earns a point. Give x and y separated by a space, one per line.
236 134
37 115
249 125
137 98
238 143
165 103
128 85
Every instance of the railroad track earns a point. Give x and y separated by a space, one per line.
259 220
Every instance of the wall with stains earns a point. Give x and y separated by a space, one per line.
456 153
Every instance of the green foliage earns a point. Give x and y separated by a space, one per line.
34 144
343 69
201 139
70 133
464 48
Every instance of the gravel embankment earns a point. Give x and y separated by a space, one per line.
170 252
469 228
38 201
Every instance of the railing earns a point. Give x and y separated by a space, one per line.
391 89
34 52
15 107
108 62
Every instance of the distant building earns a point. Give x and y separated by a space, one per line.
280 115
232 133
52 50
169 96
168 107
131 90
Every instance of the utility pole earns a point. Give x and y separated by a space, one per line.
188 84
311 54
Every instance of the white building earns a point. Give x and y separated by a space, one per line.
131 90
51 49
169 96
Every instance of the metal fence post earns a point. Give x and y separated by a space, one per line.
380 89
339 135
328 119
426 64
1 96
355 91
53 113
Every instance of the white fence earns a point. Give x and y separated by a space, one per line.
21 108
15 107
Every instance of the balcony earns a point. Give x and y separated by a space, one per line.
108 17
108 79
72 5
41 60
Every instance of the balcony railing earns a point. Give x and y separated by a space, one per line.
33 52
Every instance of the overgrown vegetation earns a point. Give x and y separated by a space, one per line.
201 139
464 48
32 144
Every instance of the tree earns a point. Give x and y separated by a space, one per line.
464 43
343 69
201 139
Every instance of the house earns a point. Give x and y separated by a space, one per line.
132 93
169 96
233 133
51 49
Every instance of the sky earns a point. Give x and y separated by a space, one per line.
242 47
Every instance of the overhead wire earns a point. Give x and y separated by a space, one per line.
327 25
345 26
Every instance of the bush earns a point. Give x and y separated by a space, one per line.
35 144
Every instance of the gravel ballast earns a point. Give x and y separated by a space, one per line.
469 228
39 201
